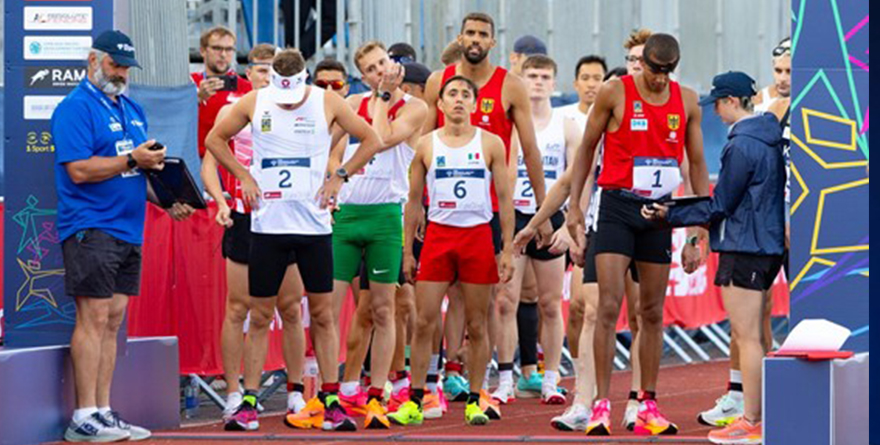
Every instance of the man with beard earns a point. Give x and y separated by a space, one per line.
217 47
101 145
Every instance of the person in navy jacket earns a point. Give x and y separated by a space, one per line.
746 218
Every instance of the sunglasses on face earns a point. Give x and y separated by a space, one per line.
657 68
335 84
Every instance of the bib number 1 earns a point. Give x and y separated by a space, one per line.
654 178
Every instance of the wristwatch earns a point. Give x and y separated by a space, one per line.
342 173
130 162
692 240
385 96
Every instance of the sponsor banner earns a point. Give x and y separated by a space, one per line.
57 18
40 107
54 76
57 47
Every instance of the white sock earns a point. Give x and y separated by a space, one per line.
549 383
398 385
103 410
505 378
486 378
736 376
349 389
432 387
434 365
84 413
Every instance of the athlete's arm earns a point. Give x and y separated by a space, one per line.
218 140
340 139
413 212
697 170
513 165
432 95
212 180
497 164
352 124
409 121
521 112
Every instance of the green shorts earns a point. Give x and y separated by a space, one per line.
373 232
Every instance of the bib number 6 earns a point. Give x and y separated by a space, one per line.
459 190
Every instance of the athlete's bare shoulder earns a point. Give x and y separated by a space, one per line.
689 96
492 146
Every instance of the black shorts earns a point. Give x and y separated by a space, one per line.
755 272
237 239
532 251
624 231
98 265
271 254
496 232
590 275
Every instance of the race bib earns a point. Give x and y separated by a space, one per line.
655 177
380 167
460 189
124 147
286 179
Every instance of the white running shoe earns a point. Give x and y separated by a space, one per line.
295 402
113 420
504 394
552 397
629 417
726 410
575 418
94 429
232 402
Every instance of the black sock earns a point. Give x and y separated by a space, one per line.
505 367
473 397
647 395
416 396
735 387
633 395
296 387
527 327
250 397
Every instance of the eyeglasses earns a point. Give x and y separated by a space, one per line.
633 59
657 68
781 49
222 49
335 84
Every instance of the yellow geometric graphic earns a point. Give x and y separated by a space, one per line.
32 273
825 250
820 161
851 146
804 189
806 269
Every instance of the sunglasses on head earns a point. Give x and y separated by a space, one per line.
780 50
402 59
335 84
657 68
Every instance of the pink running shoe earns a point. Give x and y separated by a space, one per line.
397 400
356 405
600 419
650 422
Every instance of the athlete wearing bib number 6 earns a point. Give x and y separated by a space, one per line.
648 122
460 162
290 122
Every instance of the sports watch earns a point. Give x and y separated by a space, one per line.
130 162
342 173
385 96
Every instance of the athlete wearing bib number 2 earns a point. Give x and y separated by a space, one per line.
648 122
459 162
289 195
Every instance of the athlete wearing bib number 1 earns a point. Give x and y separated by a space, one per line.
460 162
648 122
289 195
369 225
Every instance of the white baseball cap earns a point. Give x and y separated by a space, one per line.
288 89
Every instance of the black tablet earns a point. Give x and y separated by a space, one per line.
173 184
684 201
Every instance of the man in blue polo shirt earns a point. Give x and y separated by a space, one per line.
101 146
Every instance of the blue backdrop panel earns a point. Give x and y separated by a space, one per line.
829 184
37 312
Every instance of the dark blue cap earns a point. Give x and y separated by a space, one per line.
529 45
730 84
118 46
416 73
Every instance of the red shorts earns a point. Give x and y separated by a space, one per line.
465 253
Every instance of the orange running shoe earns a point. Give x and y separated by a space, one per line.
356 405
431 406
490 407
312 416
739 432
376 417
650 422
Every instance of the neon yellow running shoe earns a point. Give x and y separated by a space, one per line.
473 415
408 414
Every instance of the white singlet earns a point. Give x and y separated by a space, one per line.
458 184
551 143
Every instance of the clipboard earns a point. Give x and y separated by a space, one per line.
684 201
173 184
